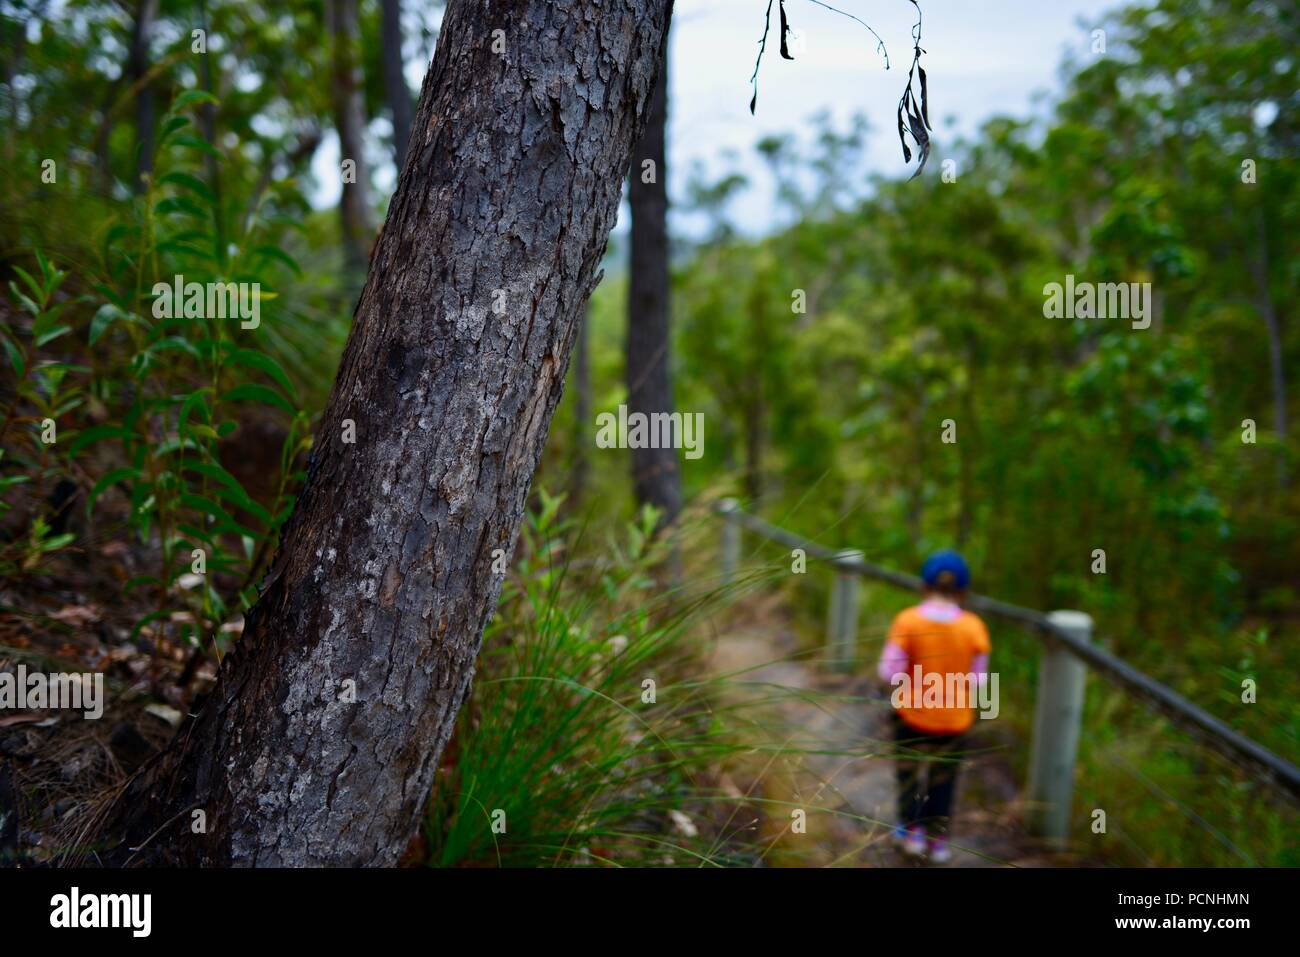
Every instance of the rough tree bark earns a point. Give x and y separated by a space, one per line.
454 366
350 123
656 476
399 97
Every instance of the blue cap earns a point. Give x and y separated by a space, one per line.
946 568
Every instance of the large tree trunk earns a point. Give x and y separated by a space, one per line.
399 97
350 123
385 577
656 477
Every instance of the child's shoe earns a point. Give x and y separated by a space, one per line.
940 853
913 841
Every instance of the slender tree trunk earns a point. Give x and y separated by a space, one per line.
138 65
14 31
581 413
319 742
965 494
755 439
103 155
656 476
968 445
350 123
1277 371
755 387
916 474
208 119
300 154
399 97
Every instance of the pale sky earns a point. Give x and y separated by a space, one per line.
982 59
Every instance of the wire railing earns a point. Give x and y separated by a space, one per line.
1068 653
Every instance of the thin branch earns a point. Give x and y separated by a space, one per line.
880 43
881 49
762 45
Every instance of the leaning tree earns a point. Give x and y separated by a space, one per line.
319 743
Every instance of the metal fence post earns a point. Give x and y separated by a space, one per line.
842 623
730 539
1058 712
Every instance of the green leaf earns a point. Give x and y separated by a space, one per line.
68 406
197 534
196 401
185 248
241 500
170 344
108 314
202 431
37 290
195 143
51 334
205 505
188 181
190 97
257 393
177 444
112 478
179 204
15 357
214 471
275 252
55 543
139 580
24 300
263 363
173 124
61 368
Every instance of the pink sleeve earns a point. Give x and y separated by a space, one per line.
980 666
893 660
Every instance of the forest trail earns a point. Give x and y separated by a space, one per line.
844 775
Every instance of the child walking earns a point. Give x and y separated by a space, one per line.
935 645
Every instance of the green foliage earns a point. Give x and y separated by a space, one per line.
559 734
165 388
43 392
188 379
925 304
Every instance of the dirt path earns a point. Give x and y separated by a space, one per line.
843 773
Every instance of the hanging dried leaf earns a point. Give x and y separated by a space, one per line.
914 112
785 31
925 96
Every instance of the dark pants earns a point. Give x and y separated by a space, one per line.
926 781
